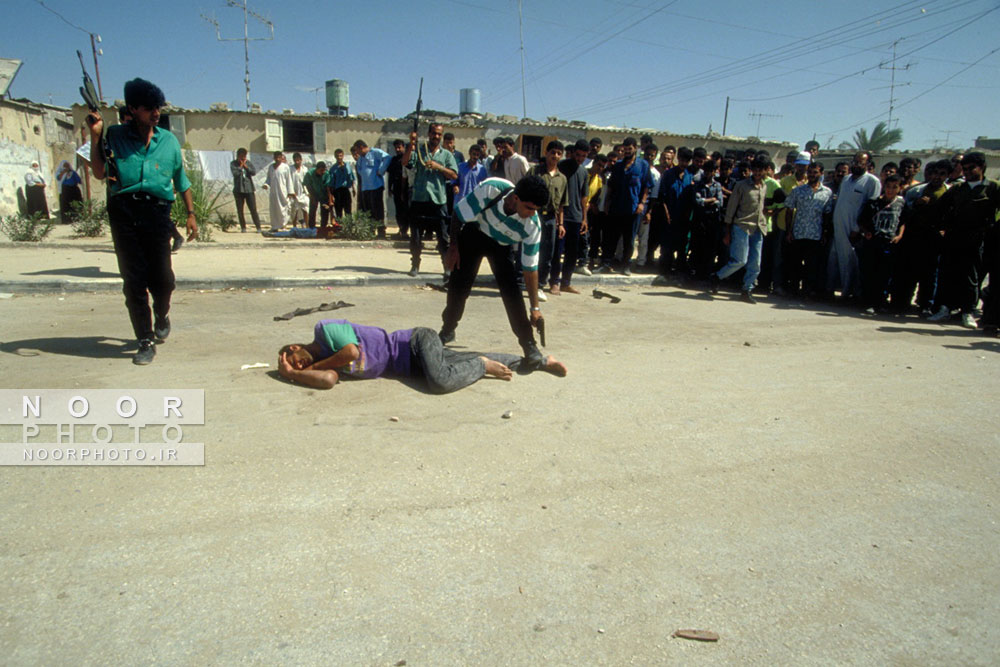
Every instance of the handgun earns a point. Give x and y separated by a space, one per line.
541 329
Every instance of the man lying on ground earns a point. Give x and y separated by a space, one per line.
340 348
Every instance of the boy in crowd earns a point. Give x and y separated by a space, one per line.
574 219
471 173
746 226
880 223
551 214
341 184
969 213
648 240
807 208
673 185
597 208
628 186
706 222
921 246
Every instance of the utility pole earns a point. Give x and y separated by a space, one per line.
94 40
725 118
758 116
246 39
520 32
892 80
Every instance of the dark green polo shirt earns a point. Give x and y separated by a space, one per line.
156 169
431 185
316 184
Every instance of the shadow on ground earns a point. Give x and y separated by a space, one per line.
90 347
74 271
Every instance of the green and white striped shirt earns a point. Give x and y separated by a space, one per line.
502 228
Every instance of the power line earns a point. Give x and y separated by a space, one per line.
754 62
916 97
63 18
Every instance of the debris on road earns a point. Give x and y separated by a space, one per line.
697 635
598 294
320 308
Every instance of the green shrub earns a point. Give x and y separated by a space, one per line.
225 221
358 226
204 195
21 227
90 218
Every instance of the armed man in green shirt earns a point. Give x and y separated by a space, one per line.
143 168
317 184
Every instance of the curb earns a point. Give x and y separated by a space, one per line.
61 285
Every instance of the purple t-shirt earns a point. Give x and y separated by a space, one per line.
381 352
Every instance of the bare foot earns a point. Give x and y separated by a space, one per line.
497 370
556 367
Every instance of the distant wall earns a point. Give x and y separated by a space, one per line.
29 133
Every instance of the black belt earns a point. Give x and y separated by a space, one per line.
145 197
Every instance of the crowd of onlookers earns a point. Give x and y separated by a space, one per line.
877 235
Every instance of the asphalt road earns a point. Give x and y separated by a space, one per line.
814 486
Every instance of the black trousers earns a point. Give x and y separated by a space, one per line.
596 223
961 262
877 259
141 230
250 199
706 236
618 226
916 268
342 201
375 204
805 259
991 264
427 216
324 212
402 203
657 225
473 246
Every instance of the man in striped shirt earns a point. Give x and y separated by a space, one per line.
492 218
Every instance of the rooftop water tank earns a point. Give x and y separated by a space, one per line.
468 101
337 97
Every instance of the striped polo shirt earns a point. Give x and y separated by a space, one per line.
502 228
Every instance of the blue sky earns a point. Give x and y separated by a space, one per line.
808 67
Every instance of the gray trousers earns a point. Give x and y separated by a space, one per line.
447 370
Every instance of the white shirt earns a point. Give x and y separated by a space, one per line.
515 168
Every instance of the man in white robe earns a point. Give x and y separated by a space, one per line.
858 188
300 196
280 190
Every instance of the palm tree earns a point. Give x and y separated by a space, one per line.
879 140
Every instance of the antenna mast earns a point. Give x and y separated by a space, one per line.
246 38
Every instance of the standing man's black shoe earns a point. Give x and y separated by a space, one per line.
748 297
533 359
161 328
713 283
446 336
147 350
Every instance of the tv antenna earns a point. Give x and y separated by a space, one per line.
759 116
307 89
246 38
892 80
